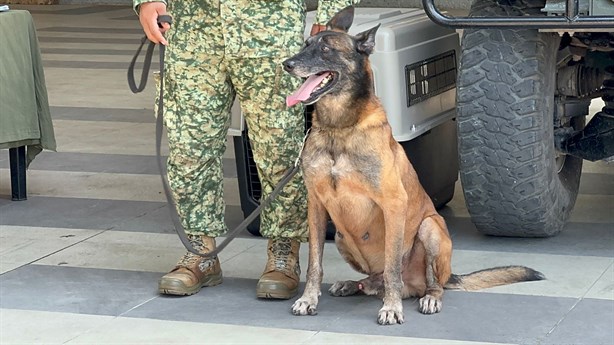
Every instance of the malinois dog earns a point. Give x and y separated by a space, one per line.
360 177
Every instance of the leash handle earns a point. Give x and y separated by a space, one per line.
146 65
164 18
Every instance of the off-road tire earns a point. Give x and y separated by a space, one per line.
506 86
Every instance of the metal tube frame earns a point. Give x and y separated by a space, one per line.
571 20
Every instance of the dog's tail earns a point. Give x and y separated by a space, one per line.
493 277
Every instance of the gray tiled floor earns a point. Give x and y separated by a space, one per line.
80 259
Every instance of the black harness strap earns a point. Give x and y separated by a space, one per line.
161 164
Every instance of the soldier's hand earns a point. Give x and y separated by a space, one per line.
315 28
148 16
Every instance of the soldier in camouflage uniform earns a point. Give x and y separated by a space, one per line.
219 50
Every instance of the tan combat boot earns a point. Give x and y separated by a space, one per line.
282 272
192 271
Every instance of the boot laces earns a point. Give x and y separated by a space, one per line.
281 250
190 259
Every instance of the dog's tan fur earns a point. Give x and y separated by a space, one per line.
360 177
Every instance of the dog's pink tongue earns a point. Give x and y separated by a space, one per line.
305 90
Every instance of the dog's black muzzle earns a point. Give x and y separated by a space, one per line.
289 65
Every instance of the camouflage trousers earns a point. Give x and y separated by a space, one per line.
201 83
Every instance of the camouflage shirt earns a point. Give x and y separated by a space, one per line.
258 28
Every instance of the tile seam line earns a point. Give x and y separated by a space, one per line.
580 299
318 331
113 318
528 252
57 251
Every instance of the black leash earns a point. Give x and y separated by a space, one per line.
161 164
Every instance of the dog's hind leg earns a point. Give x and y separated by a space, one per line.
344 288
317 219
371 285
434 236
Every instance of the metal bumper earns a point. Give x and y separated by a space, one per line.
570 21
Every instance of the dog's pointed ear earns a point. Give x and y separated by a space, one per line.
365 41
342 20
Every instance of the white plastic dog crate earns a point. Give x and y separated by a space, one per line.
414 66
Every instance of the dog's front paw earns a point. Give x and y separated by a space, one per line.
304 306
390 316
430 304
344 288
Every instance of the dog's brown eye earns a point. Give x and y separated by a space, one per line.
325 48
